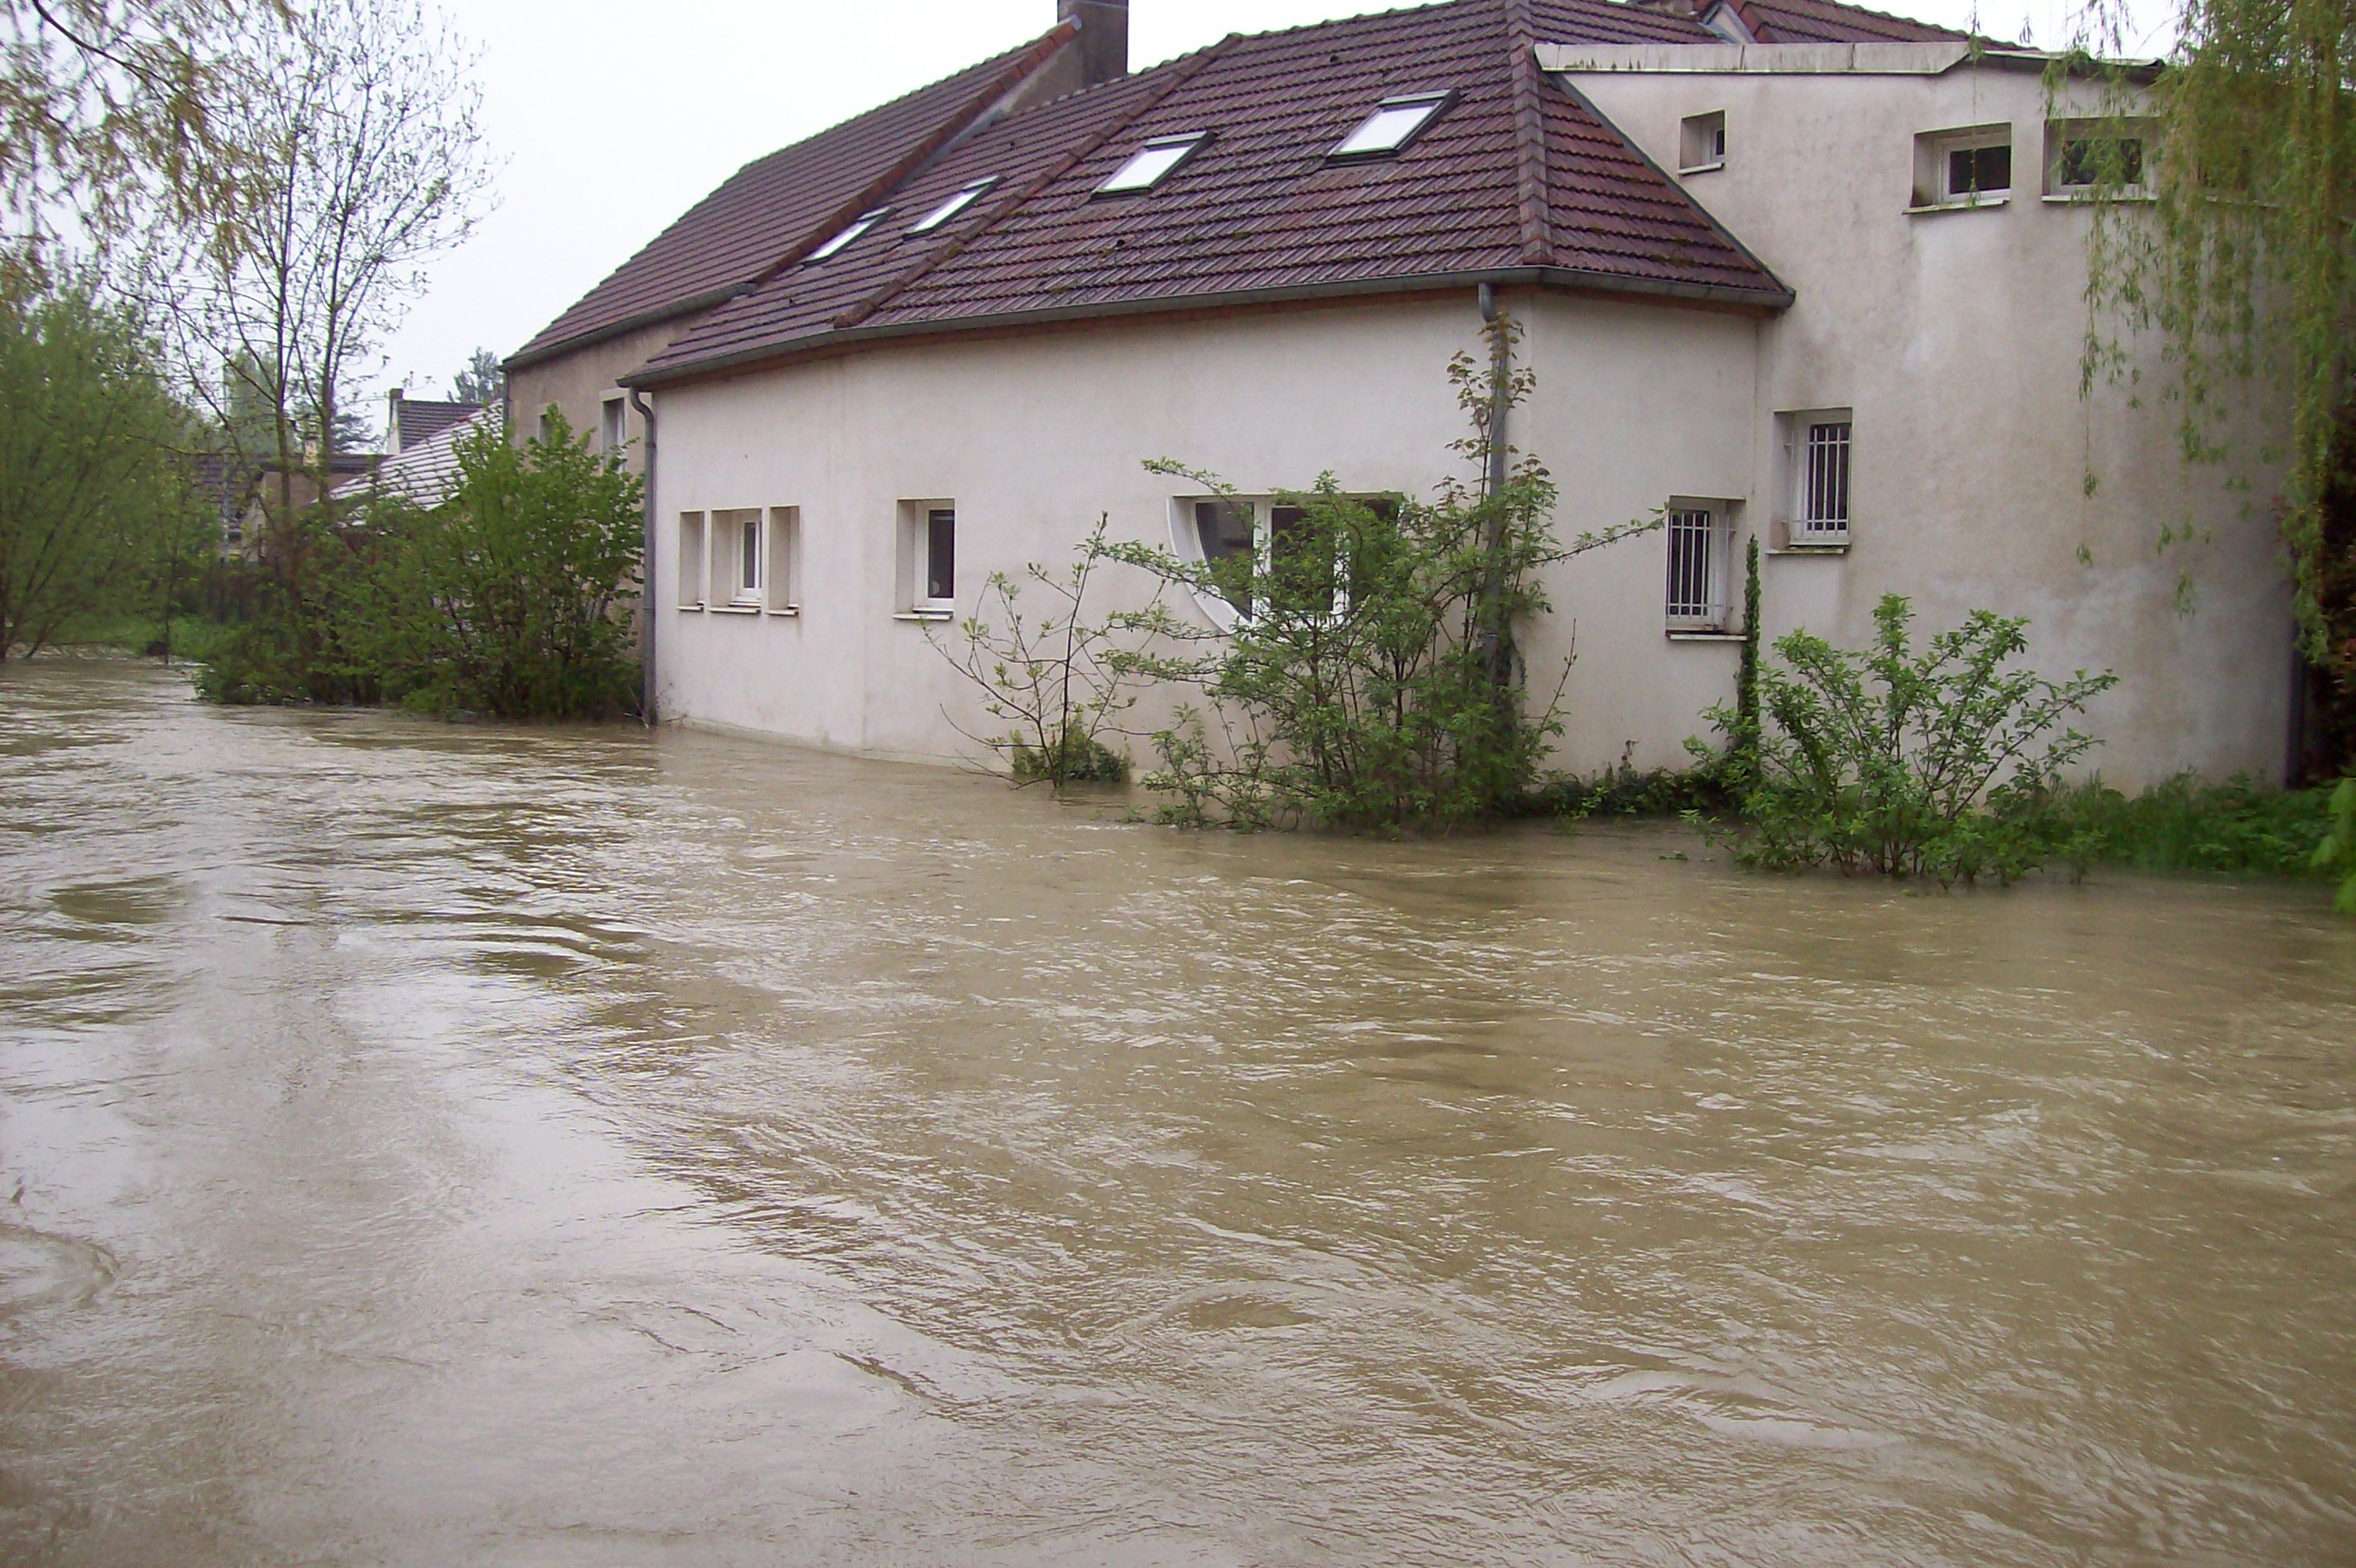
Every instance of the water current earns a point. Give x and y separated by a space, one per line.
444 1144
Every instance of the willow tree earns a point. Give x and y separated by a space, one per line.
2245 260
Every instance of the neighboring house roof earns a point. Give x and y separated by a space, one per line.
771 211
1517 177
422 422
1825 22
425 474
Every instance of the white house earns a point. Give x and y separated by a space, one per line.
1796 271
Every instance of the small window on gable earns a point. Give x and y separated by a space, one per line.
2095 157
860 225
1968 167
952 207
1701 142
1152 163
1395 122
613 426
690 560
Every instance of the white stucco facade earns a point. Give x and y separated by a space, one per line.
1951 337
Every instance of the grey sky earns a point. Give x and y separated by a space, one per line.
613 118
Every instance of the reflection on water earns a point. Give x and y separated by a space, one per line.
431 1145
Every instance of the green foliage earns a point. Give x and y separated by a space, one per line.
2186 824
2337 854
1369 678
1628 790
482 381
97 503
507 600
1057 681
1939 764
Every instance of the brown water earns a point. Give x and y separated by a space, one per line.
438 1145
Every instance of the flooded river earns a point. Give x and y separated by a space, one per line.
429 1144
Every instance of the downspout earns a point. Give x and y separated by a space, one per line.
649 600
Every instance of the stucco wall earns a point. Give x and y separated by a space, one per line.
579 382
1969 482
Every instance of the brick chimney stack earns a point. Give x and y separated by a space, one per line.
1104 37
393 423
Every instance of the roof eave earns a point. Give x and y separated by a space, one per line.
1570 279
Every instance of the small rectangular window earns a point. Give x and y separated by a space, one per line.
1700 551
1394 124
783 560
736 557
952 207
1816 456
940 557
1701 142
613 426
2095 157
1223 531
927 560
1152 163
690 560
1971 167
859 225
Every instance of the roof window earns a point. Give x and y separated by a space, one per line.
1395 122
1153 163
861 225
952 207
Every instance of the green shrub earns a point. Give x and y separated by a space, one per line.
2338 854
2188 825
1941 764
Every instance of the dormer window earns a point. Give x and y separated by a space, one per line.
952 207
1152 163
1395 122
865 221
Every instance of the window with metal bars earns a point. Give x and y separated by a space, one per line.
1700 547
1817 446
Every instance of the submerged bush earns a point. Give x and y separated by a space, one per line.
2187 824
2338 854
1943 764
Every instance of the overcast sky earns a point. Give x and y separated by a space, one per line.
610 119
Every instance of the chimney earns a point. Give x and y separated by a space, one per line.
1103 43
393 423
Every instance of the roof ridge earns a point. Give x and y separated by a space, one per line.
1532 187
1182 70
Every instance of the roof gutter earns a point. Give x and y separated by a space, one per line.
524 360
1570 279
1805 60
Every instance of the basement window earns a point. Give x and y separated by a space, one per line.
861 225
1701 142
1701 559
952 207
1395 122
1967 167
1153 163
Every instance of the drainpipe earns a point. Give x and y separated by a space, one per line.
649 600
1494 652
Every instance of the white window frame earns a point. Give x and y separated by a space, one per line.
953 206
1701 142
613 425
1699 598
1412 113
1186 540
914 600
1819 476
1155 162
782 557
850 235
1933 151
2060 134
693 575
739 558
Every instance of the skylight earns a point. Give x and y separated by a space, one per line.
1394 124
865 221
952 207
1152 163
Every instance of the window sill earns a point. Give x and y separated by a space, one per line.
925 615
734 609
690 609
1983 205
786 611
1812 547
1704 168
2093 198
1702 635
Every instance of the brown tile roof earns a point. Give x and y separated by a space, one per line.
424 419
1516 174
1826 22
774 209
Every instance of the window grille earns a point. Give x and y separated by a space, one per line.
1823 480
1696 569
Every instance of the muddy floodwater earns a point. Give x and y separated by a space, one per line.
438 1145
